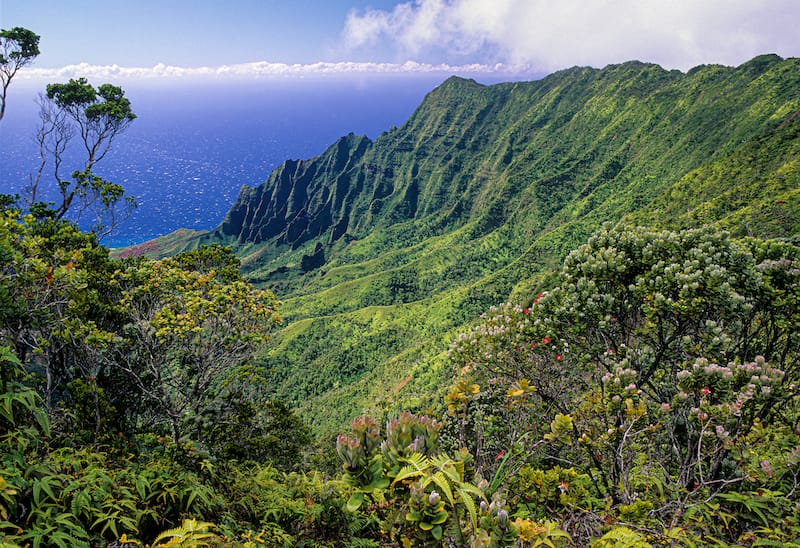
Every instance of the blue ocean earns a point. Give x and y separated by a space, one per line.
194 144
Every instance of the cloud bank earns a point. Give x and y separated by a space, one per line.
517 39
546 35
260 69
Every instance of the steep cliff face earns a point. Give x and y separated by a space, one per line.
301 200
357 185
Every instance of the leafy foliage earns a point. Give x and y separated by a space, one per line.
192 325
650 397
96 117
85 464
665 362
419 495
18 48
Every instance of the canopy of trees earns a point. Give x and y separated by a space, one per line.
18 48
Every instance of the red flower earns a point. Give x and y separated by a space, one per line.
705 391
526 310
559 358
546 340
533 345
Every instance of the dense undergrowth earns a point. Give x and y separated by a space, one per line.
649 397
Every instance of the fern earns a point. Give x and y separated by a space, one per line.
442 483
621 537
190 533
415 467
50 529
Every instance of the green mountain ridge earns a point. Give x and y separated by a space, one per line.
381 251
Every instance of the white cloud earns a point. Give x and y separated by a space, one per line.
553 34
519 37
257 69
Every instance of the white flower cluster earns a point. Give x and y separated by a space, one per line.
621 382
730 386
620 375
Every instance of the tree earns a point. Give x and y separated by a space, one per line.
56 304
190 335
39 286
18 47
95 117
257 430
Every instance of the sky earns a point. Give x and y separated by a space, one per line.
170 38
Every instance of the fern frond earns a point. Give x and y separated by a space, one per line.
444 486
469 504
415 467
190 533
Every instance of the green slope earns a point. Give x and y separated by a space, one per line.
382 250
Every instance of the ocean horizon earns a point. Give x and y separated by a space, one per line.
194 144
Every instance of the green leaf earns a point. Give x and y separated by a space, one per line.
355 501
39 486
407 473
141 486
440 517
378 484
469 504
191 498
444 486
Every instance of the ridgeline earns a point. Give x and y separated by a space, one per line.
382 251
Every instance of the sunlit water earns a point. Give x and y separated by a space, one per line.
193 145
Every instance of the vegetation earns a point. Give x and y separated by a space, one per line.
97 117
644 393
479 197
649 397
18 48
122 384
664 359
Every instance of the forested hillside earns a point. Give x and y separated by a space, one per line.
558 313
381 251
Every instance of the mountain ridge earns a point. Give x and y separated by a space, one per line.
478 196
325 201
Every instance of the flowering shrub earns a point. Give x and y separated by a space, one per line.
665 364
513 377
